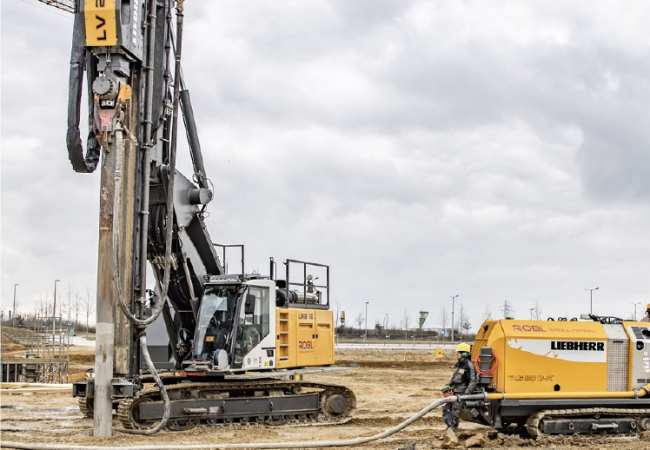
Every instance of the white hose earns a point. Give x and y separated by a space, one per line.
260 445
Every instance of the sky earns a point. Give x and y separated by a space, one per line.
498 151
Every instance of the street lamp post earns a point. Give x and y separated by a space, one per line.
453 297
531 313
54 311
13 317
367 321
591 299
637 303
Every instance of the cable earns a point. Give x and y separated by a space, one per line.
42 6
263 445
491 370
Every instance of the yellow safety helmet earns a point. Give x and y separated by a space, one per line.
463 347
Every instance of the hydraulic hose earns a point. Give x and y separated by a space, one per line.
120 298
166 403
116 265
170 200
262 445
146 149
140 323
78 59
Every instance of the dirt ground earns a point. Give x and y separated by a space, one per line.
390 387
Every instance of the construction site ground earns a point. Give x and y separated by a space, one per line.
390 387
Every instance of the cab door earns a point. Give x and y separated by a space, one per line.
253 325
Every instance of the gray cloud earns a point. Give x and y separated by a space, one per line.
423 149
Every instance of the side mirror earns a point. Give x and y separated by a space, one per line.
249 306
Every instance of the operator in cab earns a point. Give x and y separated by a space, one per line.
463 381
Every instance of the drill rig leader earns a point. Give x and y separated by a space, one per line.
217 327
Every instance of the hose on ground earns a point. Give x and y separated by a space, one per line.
262 445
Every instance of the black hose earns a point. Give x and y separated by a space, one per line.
163 392
120 298
141 323
78 61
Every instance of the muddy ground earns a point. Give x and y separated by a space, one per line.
390 387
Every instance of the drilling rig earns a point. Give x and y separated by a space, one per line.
205 346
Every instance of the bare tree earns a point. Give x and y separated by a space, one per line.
487 313
18 320
76 309
66 304
442 318
463 320
406 321
537 311
88 306
359 319
42 310
43 305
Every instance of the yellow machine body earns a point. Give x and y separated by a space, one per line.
304 337
557 358
563 377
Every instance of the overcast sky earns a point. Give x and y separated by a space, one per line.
423 149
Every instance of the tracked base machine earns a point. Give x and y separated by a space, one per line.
563 377
252 344
251 347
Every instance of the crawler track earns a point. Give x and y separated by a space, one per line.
587 420
267 402
86 406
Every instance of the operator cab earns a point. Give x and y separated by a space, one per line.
234 318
